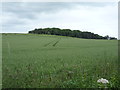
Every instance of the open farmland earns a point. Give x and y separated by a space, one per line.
47 61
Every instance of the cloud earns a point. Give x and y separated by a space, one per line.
28 10
100 18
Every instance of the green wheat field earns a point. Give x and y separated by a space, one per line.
49 61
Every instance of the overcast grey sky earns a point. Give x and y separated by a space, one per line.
100 18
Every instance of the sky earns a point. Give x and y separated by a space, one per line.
97 17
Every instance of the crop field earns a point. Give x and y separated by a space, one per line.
48 61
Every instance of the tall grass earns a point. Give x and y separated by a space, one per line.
46 61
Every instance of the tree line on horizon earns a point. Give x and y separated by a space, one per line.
69 32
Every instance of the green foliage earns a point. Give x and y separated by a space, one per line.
47 61
68 32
